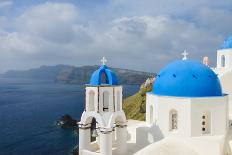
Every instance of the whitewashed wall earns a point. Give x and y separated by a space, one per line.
162 107
226 83
190 111
218 108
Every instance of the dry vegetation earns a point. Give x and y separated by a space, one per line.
135 106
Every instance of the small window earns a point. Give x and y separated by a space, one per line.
206 123
173 118
223 61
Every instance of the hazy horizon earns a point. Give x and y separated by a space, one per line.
133 34
26 69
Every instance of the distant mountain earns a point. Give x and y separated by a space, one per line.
78 75
43 72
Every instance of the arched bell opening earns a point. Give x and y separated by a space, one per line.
94 133
106 101
104 78
88 134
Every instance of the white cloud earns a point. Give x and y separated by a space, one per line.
51 33
5 4
156 40
50 21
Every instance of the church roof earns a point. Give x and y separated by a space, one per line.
227 43
187 78
103 71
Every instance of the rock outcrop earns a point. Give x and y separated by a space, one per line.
67 121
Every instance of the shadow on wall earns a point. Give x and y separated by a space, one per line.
128 136
228 140
146 135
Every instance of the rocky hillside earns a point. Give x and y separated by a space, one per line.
43 72
135 105
82 75
77 75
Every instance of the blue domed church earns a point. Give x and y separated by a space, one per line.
190 95
189 108
188 111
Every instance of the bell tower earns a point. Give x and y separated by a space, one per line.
104 104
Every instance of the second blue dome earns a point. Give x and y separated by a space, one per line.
227 43
187 78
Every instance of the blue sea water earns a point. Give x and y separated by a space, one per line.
28 111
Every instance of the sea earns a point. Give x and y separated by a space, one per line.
29 109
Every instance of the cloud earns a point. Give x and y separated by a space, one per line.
37 31
54 33
50 21
156 40
5 4
166 7
216 20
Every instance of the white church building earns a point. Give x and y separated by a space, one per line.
187 113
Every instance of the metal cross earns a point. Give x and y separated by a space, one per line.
185 55
104 61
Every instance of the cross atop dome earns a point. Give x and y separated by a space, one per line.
185 54
104 61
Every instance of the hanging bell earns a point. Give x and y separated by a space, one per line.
94 134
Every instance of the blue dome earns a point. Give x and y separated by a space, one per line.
187 78
110 77
227 43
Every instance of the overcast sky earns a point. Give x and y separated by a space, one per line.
135 34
